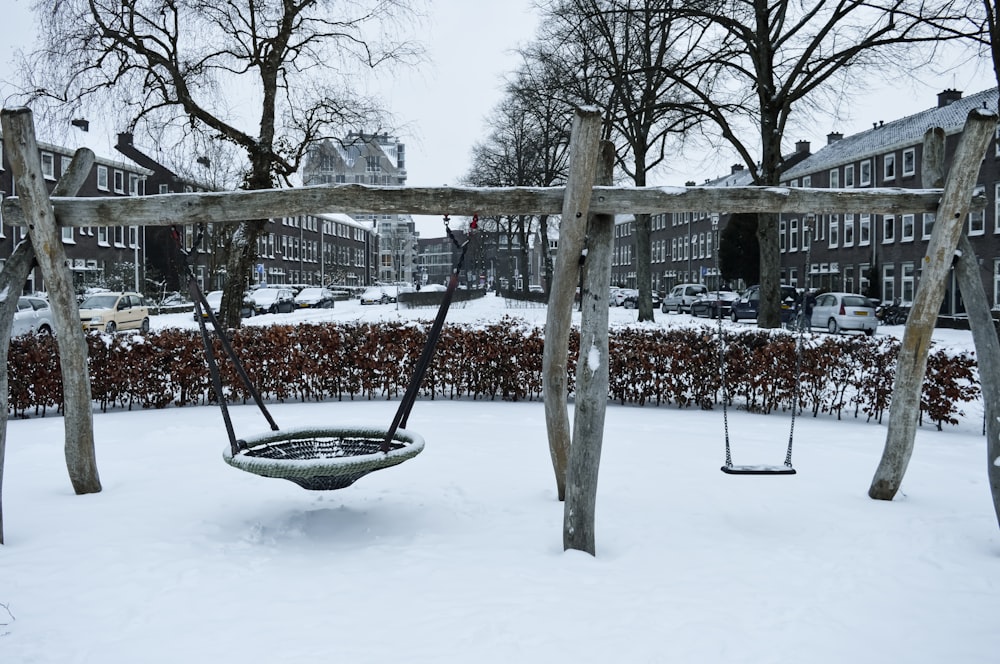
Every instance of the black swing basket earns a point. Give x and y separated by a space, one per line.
321 459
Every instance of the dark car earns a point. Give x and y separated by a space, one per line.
748 304
631 300
314 297
714 304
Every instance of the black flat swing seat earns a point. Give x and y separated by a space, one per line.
322 459
784 469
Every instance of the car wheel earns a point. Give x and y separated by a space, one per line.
833 327
272 310
733 317
110 327
679 309
145 326
45 329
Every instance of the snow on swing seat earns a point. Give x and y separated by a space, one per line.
322 459
784 469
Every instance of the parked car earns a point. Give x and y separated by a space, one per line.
273 300
748 304
631 301
314 298
33 315
111 312
214 299
375 295
844 311
622 293
714 304
681 296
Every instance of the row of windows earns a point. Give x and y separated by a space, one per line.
107 179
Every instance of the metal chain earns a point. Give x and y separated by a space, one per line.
800 341
722 350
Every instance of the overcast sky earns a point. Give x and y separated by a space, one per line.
443 106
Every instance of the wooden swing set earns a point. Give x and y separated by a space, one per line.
587 205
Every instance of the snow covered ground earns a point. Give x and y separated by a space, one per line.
456 555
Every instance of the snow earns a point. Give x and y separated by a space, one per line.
456 555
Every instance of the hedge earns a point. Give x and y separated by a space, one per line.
840 376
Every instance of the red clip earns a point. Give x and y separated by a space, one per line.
475 222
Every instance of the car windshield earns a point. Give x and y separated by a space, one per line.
99 302
309 293
214 298
265 294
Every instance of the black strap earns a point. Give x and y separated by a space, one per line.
406 404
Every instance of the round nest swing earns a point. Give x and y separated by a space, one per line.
322 459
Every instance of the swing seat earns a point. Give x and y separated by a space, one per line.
322 459
759 470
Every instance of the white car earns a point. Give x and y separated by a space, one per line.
844 311
110 312
33 315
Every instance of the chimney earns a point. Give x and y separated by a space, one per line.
690 183
948 96
204 161
833 137
736 169
125 139
80 123
802 147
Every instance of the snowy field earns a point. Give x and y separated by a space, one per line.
456 555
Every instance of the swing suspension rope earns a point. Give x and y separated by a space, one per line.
317 458
802 325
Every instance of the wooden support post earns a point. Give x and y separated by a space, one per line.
12 279
977 306
584 142
23 154
591 376
904 411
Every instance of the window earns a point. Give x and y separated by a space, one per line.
909 161
889 167
807 181
102 236
865 173
977 219
848 230
67 235
164 188
908 283
49 166
834 230
119 236
835 178
849 175
849 278
996 282
907 232
133 237
793 235
888 282
133 184
119 182
782 233
865 230
929 218
64 163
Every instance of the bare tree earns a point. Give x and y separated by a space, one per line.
623 56
270 77
775 64
526 147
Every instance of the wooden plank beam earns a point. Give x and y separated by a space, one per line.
233 206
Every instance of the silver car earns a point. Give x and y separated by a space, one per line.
844 311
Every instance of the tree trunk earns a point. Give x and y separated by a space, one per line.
643 271
22 151
769 314
559 317
591 377
904 411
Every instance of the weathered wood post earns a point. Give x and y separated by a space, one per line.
12 279
22 151
584 141
592 367
977 306
904 411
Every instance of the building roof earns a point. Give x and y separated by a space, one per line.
889 136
